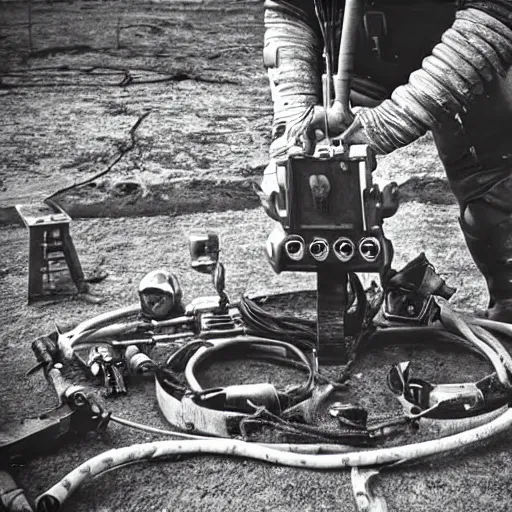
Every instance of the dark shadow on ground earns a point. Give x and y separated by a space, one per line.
127 199
426 190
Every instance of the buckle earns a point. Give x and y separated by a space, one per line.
447 400
409 308
375 27
410 292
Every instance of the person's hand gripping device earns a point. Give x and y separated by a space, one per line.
329 211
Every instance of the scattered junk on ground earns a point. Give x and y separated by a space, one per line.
330 222
309 424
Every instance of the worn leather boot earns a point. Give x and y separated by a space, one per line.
488 234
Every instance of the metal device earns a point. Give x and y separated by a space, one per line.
102 362
329 211
204 251
204 255
75 414
331 214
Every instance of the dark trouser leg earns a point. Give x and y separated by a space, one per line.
477 155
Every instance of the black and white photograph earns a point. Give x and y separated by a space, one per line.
256 255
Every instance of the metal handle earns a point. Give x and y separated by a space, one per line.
343 78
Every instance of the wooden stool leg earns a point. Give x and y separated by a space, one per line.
75 268
35 263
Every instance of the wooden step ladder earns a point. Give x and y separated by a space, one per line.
51 251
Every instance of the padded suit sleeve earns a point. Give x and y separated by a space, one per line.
476 49
498 9
292 56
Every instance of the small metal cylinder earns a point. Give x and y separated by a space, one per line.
137 361
344 249
243 398
319 249
369 248
294 247
263 394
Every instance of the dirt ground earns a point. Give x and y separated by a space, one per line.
196 68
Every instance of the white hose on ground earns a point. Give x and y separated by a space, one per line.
52 500
451 320
492 325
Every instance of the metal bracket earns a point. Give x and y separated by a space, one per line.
366 501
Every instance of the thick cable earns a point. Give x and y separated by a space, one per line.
495 344
492 325
67 340
298 393
109 316
52 500
451 319
108 331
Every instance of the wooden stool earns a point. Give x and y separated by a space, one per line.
51 250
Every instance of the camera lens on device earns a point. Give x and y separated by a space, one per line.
344 249
294 247
369 249
319 249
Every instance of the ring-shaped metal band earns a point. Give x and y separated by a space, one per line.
205 352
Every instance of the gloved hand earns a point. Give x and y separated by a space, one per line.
305 130
359 133
347 127
289 135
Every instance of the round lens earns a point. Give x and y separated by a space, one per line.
157 305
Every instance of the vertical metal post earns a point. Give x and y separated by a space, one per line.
351 19
29 11
332 299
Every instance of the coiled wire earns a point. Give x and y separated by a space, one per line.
297 331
